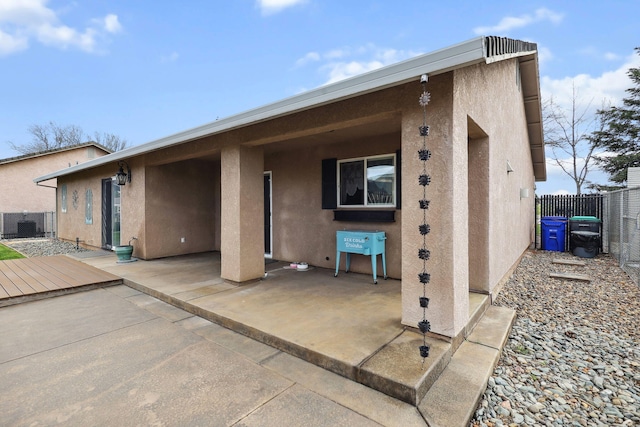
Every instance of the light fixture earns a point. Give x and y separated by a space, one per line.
121 177
509 168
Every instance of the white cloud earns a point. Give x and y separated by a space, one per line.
309 57
610 56
12 43
25 20
609 88
509 23
345 62
269 7
173 56
342 70
111 24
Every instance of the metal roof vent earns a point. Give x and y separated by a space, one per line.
497 48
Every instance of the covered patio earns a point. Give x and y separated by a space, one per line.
344 324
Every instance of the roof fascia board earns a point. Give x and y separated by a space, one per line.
53 151
437 62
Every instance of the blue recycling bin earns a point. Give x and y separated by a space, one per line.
554 229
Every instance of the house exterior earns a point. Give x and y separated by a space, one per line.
18 192
279 181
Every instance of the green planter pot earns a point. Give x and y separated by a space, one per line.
124 252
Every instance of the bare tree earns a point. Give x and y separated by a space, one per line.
567 132
53 136
109 140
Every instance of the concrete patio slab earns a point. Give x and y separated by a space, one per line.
150 371
43 325
304 408
233 341
346 325
374 405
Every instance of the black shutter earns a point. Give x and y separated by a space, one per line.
398 180
329 184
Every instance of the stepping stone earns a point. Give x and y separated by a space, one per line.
570 276
569 262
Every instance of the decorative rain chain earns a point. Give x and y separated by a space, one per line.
423 252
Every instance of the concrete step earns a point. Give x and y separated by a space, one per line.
453 398
398 370
478 304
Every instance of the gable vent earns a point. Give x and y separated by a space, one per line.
497 48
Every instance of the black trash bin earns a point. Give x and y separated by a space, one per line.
585 236
585 244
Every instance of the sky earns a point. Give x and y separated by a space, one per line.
144 70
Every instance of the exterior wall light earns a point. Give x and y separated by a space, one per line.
121 177
509 168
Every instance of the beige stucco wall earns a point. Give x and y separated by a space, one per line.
480 225
19 193
447 289
210 190
181 201
71 224
242 213
302 230
500 114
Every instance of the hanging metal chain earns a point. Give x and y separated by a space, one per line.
423 253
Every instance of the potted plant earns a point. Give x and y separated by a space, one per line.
124 251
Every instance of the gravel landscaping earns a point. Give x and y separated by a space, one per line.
573 356
42 247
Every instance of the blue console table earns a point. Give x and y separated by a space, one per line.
369 243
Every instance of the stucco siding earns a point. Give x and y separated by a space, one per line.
491 97
19 193
302 230
181 208
448 282
72 224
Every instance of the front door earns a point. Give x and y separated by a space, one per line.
110 213
267 215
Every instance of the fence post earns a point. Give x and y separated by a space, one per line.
538 208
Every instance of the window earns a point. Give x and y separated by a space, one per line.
63 198
88 211
368 181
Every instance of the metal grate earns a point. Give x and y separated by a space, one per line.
27 224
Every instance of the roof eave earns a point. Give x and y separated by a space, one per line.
473 51
440 61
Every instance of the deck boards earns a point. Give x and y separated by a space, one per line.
24 277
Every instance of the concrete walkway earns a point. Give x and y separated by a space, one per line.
117 357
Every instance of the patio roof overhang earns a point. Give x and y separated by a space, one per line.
474 51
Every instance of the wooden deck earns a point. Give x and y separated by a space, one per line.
42 277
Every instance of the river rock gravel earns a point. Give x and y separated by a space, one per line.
573 355
42 247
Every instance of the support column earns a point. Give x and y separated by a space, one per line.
448 310
242 213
